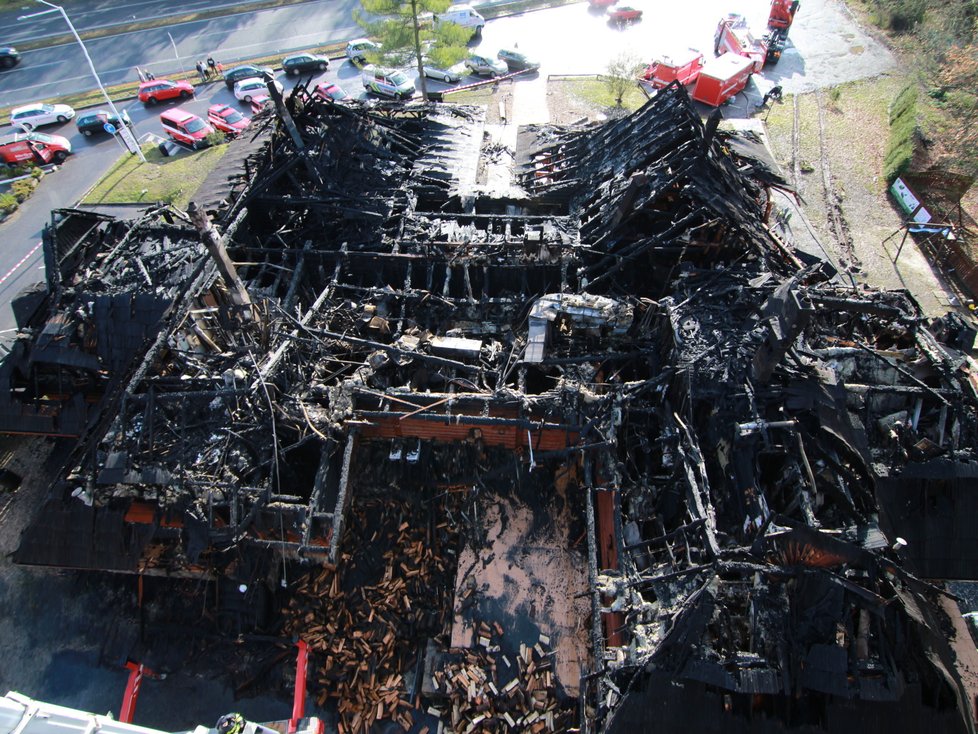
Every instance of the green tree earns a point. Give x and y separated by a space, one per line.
407 34
620 75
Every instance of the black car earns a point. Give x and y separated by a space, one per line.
517 61
9 57
304 62
235 75
93 121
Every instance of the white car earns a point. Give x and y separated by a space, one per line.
253 87
32 116
387 82
358 48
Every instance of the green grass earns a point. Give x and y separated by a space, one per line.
520 6
173 180
595 92
479 95
904 132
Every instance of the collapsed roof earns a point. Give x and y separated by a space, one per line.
627 345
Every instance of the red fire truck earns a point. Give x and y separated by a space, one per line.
733 36
782 14
683 67
722 79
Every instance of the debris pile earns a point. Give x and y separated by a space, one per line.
360 615
362 348
487 691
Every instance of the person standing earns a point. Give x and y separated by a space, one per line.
150 76
210 63
200 71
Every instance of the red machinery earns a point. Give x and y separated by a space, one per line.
722 78
734 37
782 14
682 67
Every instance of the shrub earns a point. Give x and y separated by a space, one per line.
215 138
23 188
904 133
906 15
8 202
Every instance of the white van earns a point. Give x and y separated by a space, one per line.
463 15
387 82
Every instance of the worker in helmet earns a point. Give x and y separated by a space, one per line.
230 724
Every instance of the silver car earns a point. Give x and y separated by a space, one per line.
485 66
448 76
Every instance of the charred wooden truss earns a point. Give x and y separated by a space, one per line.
621 338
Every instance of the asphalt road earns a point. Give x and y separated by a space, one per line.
89 15
59 70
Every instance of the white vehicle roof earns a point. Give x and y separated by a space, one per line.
30 107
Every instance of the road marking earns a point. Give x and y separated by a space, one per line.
17 266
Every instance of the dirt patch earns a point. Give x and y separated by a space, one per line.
567 108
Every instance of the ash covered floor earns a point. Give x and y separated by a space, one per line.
530 577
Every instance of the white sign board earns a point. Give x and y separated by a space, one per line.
909 202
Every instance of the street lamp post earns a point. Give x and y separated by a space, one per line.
176 54
57 8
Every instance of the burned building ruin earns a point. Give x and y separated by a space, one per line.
589 448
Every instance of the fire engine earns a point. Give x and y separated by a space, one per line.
734 36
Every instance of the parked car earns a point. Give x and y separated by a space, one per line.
328 90
248 88
516 61
235 75
185 127
160 90
624 14
227 119
485 66
17 148
450 75
31 116
9 57
299 63
358 48
94 121
387 82
259 103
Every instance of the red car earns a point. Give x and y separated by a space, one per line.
331 92
159 90
227 119
185 127
624 14
259 102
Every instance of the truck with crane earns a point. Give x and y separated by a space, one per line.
733 35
